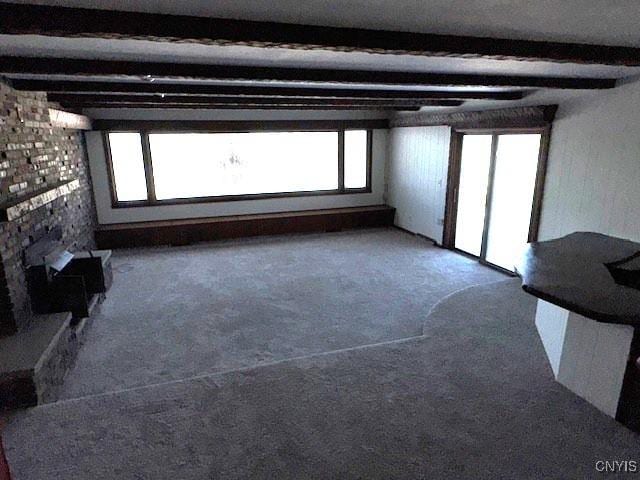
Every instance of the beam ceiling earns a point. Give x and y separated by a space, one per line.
193 99
79 67
228 106
76 22
128 88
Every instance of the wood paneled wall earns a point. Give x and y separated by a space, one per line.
593 174
417 178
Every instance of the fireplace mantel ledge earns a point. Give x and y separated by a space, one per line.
12 211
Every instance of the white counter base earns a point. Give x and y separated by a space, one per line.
587 357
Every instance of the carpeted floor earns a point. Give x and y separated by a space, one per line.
178 312
473 398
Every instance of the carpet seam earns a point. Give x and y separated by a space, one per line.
446 297
227 372
269 364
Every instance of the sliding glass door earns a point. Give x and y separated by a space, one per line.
495 195
509 212
475 163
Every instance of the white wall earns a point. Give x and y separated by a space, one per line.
107 214
417 178
593 176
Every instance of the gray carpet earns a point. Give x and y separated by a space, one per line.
178 312
471 399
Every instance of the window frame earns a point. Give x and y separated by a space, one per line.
148 170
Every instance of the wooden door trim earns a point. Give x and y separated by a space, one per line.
453 183
538 191
453 178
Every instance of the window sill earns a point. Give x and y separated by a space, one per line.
236 198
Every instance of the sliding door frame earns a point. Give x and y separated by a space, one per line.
453 183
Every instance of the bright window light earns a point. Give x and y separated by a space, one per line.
188 165
128 166
355 159
512 199
472 194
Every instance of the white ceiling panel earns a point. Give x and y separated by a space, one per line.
613 22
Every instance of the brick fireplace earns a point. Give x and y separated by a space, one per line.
37 155
45 188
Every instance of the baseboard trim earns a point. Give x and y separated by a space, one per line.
424 237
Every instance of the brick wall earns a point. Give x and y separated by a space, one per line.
35 156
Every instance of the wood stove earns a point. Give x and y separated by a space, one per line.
61 281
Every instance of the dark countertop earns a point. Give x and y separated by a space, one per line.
570 272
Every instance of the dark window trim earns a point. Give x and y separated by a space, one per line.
152 201
238 126
110 174
340 160
369 158
148 168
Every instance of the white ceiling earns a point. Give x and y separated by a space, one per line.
607 22
93 48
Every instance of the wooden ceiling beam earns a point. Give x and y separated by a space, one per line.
228 106
191 99
18 19
239 125
82 67
125 88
